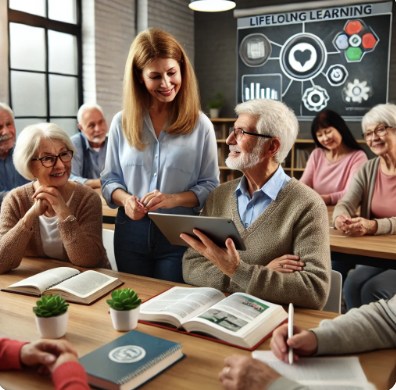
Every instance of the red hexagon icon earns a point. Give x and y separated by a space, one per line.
368 41
353 27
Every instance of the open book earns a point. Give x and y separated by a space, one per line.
240 319
324 373
70 283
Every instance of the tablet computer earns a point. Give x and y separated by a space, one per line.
217 229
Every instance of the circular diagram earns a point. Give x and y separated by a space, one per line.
255 49
336 75
303 56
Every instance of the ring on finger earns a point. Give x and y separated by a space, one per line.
227 370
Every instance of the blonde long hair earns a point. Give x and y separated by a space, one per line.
184 110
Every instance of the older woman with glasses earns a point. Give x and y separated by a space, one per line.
373 189
51 216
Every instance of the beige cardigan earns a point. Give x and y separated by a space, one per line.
360 193
296 222
82 237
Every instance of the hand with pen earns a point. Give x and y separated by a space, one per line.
303 342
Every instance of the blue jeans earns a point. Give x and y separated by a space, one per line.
369 284
141 249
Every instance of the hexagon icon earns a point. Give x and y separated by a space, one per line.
353 54
353 27
369 41
341 42
336 75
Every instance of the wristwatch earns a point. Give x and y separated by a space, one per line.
70 218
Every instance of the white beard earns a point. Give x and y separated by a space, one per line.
245 161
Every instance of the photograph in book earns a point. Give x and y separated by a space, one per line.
239 319
71 284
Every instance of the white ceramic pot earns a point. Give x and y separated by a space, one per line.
125 319
214 112
52 327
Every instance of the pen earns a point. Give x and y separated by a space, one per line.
290 331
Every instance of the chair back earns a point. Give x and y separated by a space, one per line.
334 300
108 243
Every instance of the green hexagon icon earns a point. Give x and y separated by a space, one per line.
354 54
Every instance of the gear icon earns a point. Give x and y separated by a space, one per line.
315 98
336 75
357 91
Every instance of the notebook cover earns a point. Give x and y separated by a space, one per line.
147 351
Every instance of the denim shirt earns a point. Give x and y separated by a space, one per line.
250 208
87 163
171 164
9 177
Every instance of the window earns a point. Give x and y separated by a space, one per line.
45 62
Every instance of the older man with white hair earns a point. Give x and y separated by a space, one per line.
283 223
9 177
91 146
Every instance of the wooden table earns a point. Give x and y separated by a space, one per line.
382 248
108 216
90 327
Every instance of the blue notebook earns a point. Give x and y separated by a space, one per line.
129 361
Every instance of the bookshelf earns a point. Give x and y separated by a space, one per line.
293 165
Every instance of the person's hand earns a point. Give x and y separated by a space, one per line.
157 200
326 199
226 259
286 264
303 342
55 199
40 207
62 358
134 208
246 373
342 222
361 226
44 352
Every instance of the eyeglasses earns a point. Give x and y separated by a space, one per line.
238 133
379 131
50 161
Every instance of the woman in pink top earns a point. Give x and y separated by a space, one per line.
373 188
338 156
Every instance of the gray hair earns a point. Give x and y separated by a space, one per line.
274 119
6 107
381 113
86 107
29 141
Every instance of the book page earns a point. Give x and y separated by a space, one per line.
182 302
46 279
85 284
236 313
320 372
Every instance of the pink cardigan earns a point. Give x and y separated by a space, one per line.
332 179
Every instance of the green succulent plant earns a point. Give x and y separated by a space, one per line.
124 299
50 306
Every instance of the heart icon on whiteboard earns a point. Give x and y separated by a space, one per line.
302 57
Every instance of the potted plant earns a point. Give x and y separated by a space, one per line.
215 105
51 316
124 309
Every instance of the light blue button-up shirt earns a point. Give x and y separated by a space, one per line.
250 208
171 164
87 163
9 177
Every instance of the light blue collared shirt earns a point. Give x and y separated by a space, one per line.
9 177
171 164
250 208
87 163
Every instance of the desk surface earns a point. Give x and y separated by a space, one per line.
108 212
90 327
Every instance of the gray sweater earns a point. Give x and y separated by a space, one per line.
360 193
296 223
360 330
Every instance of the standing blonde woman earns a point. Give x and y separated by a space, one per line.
162 155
